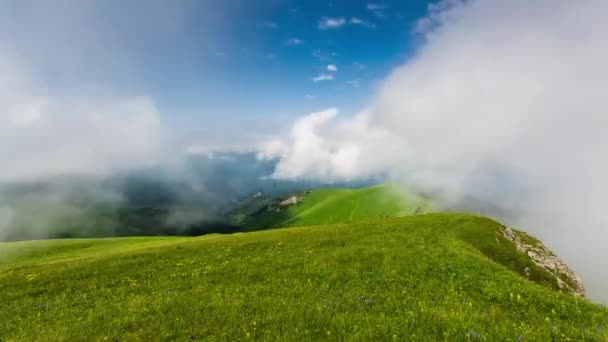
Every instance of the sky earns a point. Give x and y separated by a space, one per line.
211 67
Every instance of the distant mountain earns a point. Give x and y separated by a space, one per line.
192 198
326 206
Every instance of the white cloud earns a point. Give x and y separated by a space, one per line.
84 122
44 136
332 68
323 77
308 152
331 23
500 102
293 42
438 13
321 146
361 22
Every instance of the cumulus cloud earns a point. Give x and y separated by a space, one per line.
323 78
332 68
505 101
310 152
331 23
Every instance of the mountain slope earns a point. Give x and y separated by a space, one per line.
422 277
327 206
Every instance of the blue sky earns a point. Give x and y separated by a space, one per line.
263 57
216 70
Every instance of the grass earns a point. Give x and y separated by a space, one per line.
327 206
424 277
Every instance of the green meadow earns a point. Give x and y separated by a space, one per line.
328 206
428 277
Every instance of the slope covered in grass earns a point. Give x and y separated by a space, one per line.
422 277
327 206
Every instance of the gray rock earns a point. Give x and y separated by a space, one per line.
566 279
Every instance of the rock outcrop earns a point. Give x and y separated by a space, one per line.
291 200
566 279
285 203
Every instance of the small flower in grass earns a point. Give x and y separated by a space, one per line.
520 337
369 301
473 334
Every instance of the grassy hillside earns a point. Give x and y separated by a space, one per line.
423 277
327 206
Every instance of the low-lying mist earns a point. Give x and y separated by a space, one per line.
505 102
193 197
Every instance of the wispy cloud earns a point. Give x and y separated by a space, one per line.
377 9
310 97
332 68
331 23
271 25
437 14
293 42
361 22
323 77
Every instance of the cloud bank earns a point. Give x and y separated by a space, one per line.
71 112
69 93
505 101
44 136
